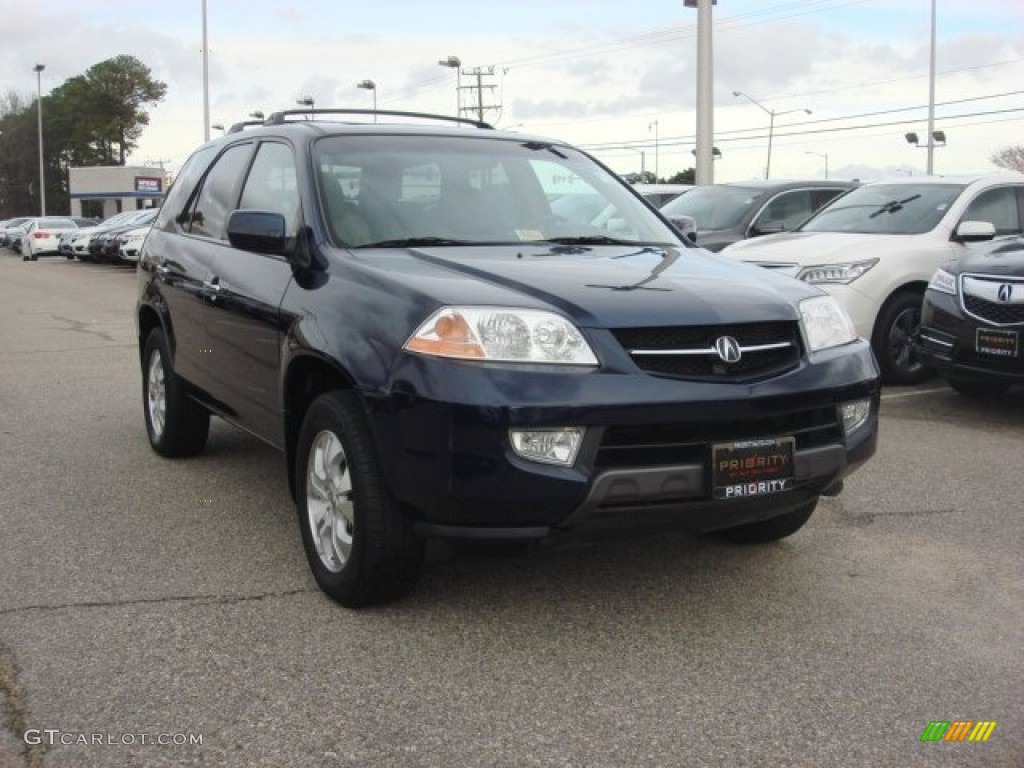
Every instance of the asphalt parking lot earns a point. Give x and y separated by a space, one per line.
148 600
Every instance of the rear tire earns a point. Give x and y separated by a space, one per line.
894 340
979 388
769 530
177 425
359 542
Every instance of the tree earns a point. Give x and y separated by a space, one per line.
689 176
92 119
1011 158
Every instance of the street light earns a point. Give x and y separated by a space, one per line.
257 115
771 124
38 69
307 101
655 124
454 62
218 127
819 154
369 85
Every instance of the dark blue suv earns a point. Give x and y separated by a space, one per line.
397 308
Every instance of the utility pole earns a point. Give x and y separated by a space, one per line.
478 74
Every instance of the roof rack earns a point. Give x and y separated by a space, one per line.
277 118
236 127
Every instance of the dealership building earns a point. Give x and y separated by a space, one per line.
102 191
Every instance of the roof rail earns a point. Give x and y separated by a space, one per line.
279 117
236 127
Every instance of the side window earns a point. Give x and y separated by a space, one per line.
217 196
271 184
787 210
181 189
998 206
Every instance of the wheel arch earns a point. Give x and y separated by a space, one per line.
307 377
911 286
149 319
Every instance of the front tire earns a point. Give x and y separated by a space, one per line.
894 340
177 425
358 541
770 530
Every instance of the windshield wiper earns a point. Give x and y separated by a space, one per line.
892 206
416 242
589 240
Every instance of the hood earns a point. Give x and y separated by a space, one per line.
807 248
1000 257
596 286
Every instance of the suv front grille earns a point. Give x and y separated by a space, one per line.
768 349
690 443
980 296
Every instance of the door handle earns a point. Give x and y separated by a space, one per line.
211 288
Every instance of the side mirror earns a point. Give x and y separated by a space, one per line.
974 231
770 227
686 225
260 231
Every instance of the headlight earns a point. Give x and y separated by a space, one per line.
836 273
943 281
501 334
825 323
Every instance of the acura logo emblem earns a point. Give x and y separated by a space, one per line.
728 349
1005 292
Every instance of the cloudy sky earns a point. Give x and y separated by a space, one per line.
618 78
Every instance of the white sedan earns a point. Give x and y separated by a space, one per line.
43 236
131 242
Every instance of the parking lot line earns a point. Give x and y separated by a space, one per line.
915 393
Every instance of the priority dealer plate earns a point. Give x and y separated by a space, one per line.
746 468
997 342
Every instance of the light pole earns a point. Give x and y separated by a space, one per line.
307 101
369 85
218 127
931 98
454 62
206 81
705 171
655 124
819 154
39 117
771 124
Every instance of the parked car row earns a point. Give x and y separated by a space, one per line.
115 240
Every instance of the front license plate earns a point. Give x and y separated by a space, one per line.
997 342
746 468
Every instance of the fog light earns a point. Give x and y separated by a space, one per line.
855 415
548 446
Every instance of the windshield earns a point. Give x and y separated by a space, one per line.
403 191
717 207
886 209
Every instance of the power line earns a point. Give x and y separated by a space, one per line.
757 133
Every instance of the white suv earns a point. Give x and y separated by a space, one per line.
876 247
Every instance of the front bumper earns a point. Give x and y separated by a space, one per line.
949 343
443 429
